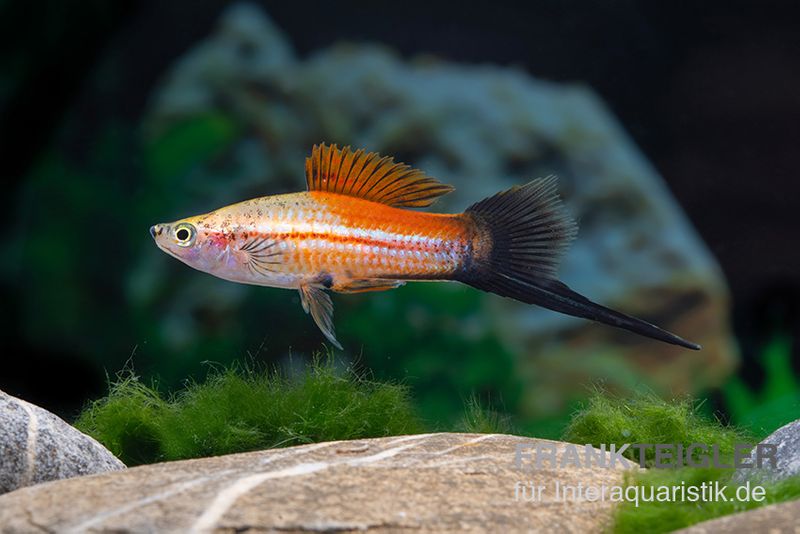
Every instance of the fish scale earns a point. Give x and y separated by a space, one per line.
349 237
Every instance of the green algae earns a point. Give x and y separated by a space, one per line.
645 418
238 410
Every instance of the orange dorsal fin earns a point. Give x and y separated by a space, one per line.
369 176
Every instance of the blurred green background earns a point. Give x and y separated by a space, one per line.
119 115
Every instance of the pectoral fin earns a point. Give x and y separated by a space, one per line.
367 284
318 303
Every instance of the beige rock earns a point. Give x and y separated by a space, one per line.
775 519
430 482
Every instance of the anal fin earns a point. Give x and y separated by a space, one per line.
366 284
318 303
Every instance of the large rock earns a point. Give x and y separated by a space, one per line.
37 446
787 456
482 129
775 519
434 482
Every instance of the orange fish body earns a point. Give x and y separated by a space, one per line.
341 240
352 231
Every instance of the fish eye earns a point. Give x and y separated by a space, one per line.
185 234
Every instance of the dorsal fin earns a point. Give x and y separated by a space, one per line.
369 176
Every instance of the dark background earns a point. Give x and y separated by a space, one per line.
710 91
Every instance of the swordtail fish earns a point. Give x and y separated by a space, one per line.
352 231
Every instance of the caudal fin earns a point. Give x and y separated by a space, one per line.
523 234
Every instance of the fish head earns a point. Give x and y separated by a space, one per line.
217 244
190 242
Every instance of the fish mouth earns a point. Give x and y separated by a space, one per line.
156 230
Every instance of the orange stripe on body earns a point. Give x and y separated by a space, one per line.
355 238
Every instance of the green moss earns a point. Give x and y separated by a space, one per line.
658 517
648 419
478 419
243 410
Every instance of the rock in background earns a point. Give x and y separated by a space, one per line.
482 129
37 446
787 457
429 483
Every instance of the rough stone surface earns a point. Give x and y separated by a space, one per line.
433 482
783 518
787 441
482 129
37 446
